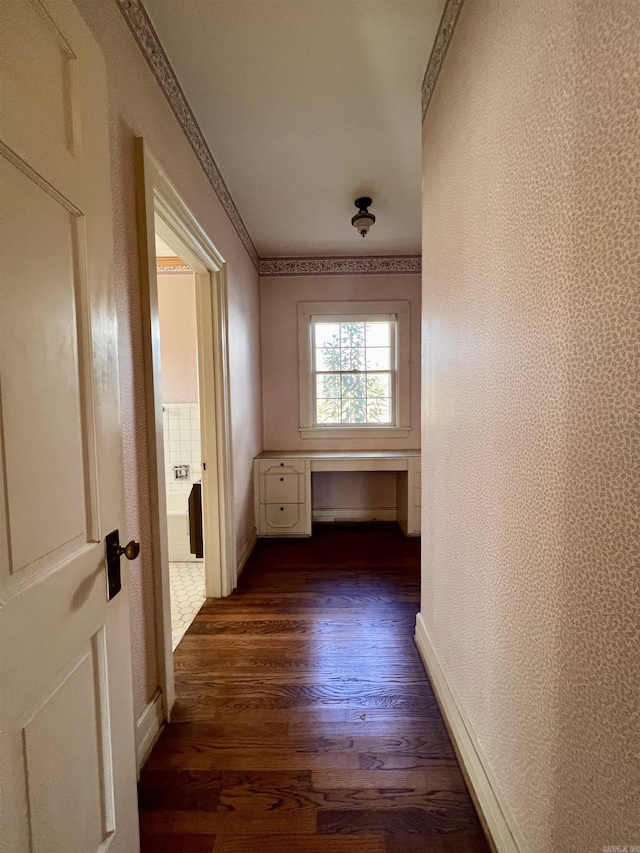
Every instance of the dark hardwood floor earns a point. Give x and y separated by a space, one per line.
304 722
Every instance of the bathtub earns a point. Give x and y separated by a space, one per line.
178 528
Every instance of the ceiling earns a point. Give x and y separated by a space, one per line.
163 250
305 105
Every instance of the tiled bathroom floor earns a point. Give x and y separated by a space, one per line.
187 596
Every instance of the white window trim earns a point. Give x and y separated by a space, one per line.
307 310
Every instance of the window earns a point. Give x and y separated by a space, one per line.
354 369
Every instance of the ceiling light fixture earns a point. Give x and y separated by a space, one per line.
363 220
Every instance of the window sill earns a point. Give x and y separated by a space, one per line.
354 432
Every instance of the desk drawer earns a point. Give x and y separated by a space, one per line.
282 518
359 464
282 466
282 488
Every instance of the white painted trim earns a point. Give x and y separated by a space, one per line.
157 493
215 417
495 816
400 309
246 550
360 514
161 208
354 432
148 728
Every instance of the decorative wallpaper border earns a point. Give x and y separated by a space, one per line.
448 21
173 269
365 265
144 33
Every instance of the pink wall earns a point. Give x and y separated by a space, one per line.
137 107
530 583
354 490
280 296
178 341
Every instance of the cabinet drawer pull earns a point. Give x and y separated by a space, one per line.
281 509
282 479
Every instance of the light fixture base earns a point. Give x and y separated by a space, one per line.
363 203
363 220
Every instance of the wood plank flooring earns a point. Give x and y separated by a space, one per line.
304 722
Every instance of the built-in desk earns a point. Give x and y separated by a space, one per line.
283 485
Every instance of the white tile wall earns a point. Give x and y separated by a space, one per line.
181 424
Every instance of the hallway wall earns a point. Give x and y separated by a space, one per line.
137 107
530 448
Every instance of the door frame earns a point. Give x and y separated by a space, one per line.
161 208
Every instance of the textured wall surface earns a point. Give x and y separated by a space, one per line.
531 306
137 107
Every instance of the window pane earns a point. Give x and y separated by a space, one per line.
327 334
378 358
352 334
354 410
328 359
378 410
327 386
352 359
378 385
354 369
328 411
378 334
354 385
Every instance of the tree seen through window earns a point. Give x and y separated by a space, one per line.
353 372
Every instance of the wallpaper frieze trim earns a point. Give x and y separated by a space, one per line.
448 22
173 269
365 265
147 38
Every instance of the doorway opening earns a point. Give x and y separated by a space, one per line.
188 412
181 432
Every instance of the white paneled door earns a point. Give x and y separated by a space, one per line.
67 769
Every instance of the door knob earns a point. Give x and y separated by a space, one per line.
130 550
113 553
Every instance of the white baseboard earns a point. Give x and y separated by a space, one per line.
247 548
148 727
364 514
494 815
